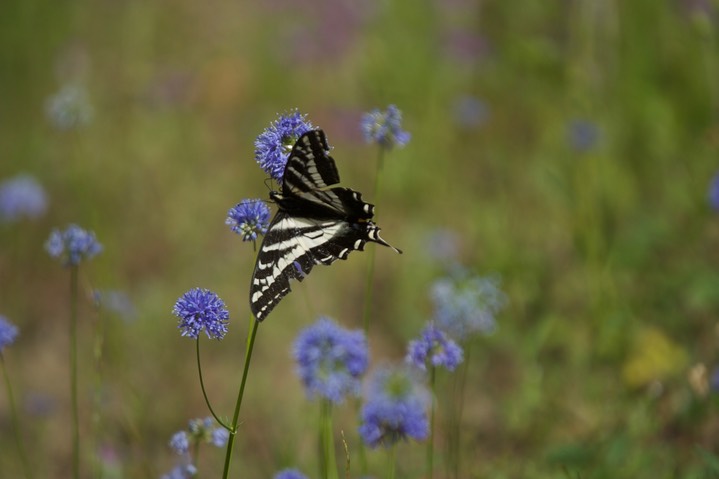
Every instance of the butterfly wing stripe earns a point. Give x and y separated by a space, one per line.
309 166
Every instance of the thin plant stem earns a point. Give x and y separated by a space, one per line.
459 410
98 346
15 421
347 454
233 431
202 386
371 259
327 449
368 294
73 373
392 462
430 441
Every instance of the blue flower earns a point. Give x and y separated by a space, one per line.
69 108
582 135
21 196
289 474
442 244
273 146
200 309
72 245
330 360
384 127
117 302
714 193
8 333
470 112
183 471
434 348
219 437
180 443
465 305
395 408
249 218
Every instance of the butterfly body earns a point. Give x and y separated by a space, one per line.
315 224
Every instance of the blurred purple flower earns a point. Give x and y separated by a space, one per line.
21 197
69 108
395 408
289 474
384 128
72 245
714 192
435 349
331 360
465 304
442 244
582 135
117 302
470 111
180 442
8 333
182 471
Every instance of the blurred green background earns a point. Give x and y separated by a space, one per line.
568 144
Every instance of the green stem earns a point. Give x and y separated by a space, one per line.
240 394
73 373
97 399
202 386
393 462
459 411
15 420
430 441
327 449
371 261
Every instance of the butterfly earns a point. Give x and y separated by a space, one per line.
314 224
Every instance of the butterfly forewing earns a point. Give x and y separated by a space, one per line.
314 224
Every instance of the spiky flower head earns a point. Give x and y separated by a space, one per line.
8 333
21 197
249 218
331 360
434 348
395 408
289 474
274 144
384 128
466 304
200 309
72 245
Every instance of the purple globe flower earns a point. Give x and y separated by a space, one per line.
289 474
465 304
249 218
180 443
395 408
384 128
69 108
434 348
72 245
8 333
21 197
331 360
274 144
200 309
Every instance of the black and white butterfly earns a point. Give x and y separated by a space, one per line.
314 224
